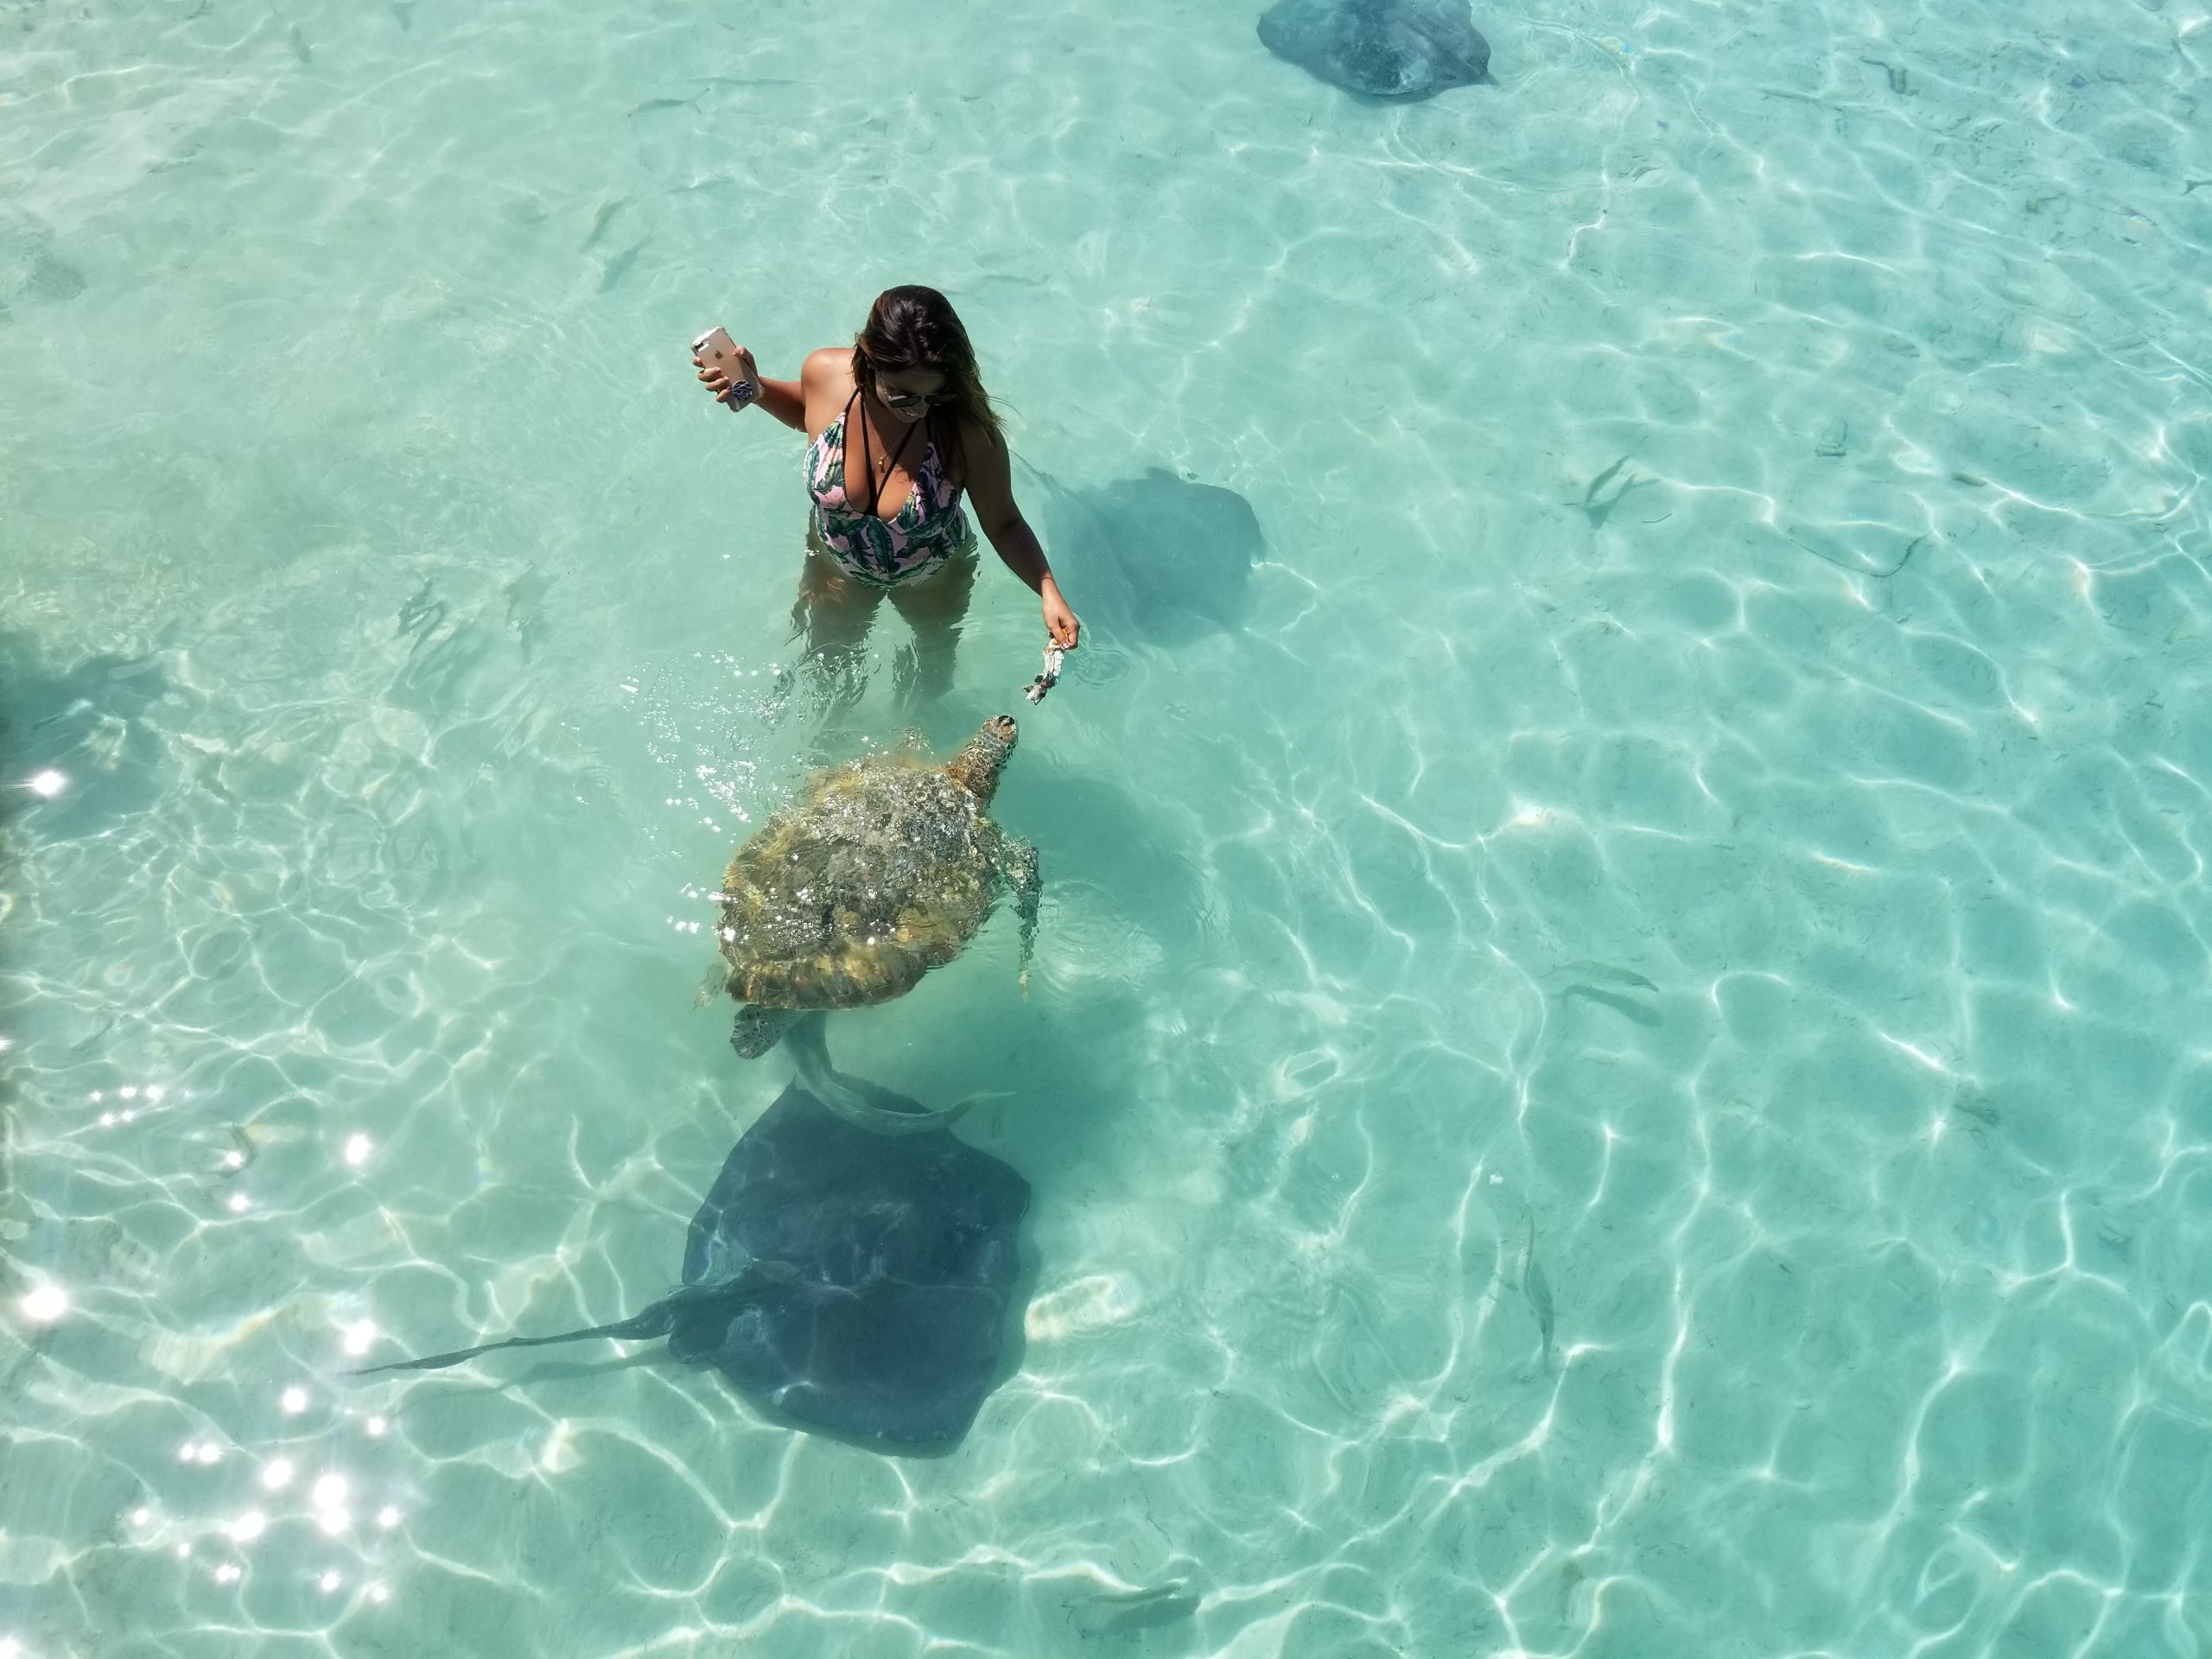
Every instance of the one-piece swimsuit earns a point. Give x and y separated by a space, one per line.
921 537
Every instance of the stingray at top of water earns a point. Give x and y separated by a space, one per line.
1168 557
1380 48
857 1282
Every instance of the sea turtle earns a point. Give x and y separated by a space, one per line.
882 871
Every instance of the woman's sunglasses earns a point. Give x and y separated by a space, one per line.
893 398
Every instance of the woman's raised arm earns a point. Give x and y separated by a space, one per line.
785 399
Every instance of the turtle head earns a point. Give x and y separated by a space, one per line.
758 1030
975 768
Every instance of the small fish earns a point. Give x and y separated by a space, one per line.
1621 1005
1606 971
1599 510
619 267
1537 1289
1141 1610
526 610
423 614
1900 80
301 50
1602 480
607 211
102 1030
1974 1104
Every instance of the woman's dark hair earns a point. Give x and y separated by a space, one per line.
916 328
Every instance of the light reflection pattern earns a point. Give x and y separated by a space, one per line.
1615 1066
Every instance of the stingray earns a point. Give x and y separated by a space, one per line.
1171 558
858 1283
1380 48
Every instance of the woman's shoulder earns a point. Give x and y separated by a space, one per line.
979 454
980 437
827 367
825 386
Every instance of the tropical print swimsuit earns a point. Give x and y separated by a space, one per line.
920 537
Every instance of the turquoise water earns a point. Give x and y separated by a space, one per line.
1699 818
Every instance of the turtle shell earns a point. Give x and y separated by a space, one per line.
882 872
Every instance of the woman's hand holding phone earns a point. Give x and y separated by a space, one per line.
726 368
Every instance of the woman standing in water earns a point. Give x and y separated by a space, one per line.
898 428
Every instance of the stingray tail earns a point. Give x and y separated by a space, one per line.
656 1321
855 1099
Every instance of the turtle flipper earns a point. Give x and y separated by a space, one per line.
759 1029
1019 859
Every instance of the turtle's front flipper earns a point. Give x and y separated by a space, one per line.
1019 859
758 1030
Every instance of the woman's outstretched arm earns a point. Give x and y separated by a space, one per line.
990 486
784 400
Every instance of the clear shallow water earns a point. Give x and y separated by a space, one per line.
1712 766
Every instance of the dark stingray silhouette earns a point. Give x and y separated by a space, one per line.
858 1283
1380 48
1171 559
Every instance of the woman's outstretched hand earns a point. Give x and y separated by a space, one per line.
720 384
1059 621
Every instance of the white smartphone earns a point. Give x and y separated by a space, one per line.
715 350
